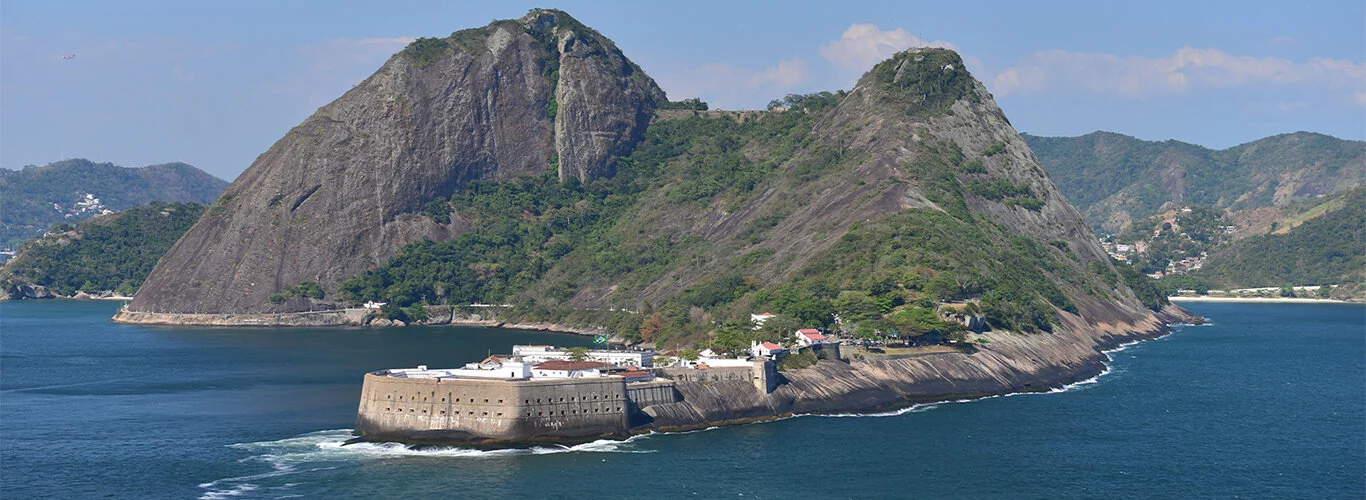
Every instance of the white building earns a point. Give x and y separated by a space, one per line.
759 349
569 369
541 353
759 319
490 367
808 336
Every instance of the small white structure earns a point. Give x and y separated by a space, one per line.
540 353
759 319
569 369
723 362
759 349
374 305
808 336
490 367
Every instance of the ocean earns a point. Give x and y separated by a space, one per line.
1268 401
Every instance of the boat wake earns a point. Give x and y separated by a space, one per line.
321 451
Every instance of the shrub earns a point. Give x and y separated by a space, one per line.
797 360
995 149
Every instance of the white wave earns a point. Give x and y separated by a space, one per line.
290 456
235 491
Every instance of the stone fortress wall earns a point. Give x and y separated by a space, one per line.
473 410
417 409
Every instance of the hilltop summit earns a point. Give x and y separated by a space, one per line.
340 192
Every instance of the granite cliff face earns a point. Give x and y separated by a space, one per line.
339 193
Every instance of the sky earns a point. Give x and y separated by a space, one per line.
215 84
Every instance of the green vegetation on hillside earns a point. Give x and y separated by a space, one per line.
1189 234
1329 249
28 196
541 244
924 81
114 252
1102 173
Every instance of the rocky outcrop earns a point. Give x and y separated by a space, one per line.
25 291
603 102
341 192
1004 363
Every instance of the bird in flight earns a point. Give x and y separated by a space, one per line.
72 56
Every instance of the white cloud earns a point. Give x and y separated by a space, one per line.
1184 70
863 45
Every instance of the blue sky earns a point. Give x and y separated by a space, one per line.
215 84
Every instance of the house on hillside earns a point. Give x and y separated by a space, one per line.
766 349
808 336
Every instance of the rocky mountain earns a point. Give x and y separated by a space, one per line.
1116 179
34 198
523 163
340 193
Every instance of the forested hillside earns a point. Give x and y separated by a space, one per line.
111 252
34 198
1328 249
1116 180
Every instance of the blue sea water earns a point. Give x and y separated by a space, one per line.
1267 402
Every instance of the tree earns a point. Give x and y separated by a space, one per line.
577 353
854 306
689 354
651 327
1325 291
1287 291
777 328
732 338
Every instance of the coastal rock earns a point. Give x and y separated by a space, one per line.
1006 363
26 291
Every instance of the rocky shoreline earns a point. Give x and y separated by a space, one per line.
1000 363
351 317
1006 363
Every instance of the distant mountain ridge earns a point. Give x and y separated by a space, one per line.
1115 179
33 198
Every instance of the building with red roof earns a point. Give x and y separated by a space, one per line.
808 336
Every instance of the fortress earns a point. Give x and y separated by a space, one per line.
509 399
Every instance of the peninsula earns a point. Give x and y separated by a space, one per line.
528 173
